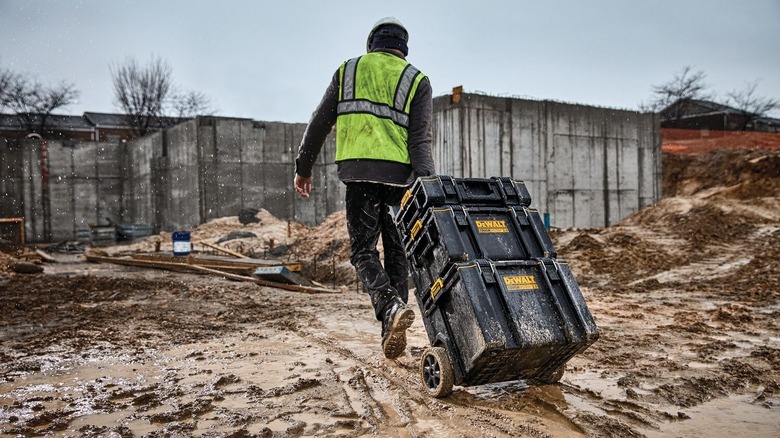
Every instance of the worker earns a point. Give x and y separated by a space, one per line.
381 106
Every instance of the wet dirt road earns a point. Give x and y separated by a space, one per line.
111 354
686 294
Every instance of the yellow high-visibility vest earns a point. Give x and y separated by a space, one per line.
375 95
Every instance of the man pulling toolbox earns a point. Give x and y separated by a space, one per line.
496 302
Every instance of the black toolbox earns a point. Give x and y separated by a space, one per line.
435 191
496 303
455 233
495 321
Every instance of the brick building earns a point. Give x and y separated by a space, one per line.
90 126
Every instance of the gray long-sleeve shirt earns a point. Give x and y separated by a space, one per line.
418 142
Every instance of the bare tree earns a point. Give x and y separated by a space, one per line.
33 101
684 87
7 81
147 94
142 91
190 104
751 106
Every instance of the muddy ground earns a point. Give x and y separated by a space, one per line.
685 294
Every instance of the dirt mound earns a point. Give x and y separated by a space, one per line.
5 262
708 224
327 251
745 173
267 234
717 203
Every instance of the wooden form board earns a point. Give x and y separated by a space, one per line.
247 265
183 266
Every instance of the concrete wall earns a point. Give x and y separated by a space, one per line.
142 179
83 186
584 166
213 167
12 201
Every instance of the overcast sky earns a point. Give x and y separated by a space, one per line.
271 60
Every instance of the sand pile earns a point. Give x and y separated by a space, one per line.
262 237
716 204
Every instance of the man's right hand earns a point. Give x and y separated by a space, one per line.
303 185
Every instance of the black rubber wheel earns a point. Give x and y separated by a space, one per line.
437 375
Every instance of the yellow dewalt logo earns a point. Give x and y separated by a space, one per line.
416 228
498 226
520 282
436 288
406 198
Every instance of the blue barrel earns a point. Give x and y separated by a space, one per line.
181 243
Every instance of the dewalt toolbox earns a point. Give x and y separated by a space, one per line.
496 303
455 233
441 190
494 321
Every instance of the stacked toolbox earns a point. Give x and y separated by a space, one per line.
496 302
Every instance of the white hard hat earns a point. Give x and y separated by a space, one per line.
383 22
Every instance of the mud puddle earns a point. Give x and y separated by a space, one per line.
732 416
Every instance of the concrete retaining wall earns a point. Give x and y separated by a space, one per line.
584 166
213 167
61 188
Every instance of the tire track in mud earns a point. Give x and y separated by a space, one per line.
632 414
508 409
398 406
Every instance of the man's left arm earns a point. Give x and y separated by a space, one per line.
420 138
320 125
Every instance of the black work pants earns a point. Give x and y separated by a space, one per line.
368 217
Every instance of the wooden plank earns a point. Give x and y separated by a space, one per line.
220 261
181 267
189 261
45 257
291 287
184 267
225 250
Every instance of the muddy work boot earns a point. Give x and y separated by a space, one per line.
397 319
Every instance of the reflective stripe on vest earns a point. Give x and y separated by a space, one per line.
398 113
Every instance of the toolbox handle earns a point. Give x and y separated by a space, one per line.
441 287
470 190
514 191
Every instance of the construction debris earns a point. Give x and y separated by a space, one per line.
12 230
45 257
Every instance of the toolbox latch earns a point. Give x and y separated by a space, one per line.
460 216
449 186
488 277
522 217
551 271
